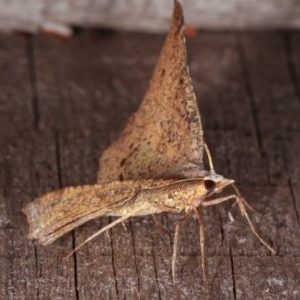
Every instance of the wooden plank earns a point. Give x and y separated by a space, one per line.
262 67
266 68
274 278
84 90
274 95
15 80
32 271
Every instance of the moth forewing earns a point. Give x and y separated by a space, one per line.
58 212
164 137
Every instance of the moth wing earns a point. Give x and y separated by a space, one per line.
56 213
164 138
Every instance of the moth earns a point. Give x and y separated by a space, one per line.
156 164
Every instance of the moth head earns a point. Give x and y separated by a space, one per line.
215 183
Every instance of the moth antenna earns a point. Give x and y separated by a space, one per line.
210 161
105 228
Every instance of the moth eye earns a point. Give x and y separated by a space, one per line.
209 184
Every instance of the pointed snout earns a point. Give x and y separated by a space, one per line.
222 184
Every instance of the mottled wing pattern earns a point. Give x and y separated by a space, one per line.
54 214
164 138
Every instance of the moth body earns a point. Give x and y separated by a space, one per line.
178 196
59 212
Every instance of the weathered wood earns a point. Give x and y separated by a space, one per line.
62 103
138 15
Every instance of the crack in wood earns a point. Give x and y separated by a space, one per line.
232 274
290 185
75 266
37 272
221 225
134 255
113 260
60 184
249 91
33 80
290 57
58 159
155 268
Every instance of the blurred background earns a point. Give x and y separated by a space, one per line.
146 15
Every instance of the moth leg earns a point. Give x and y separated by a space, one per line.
241 203
242 206
175 247
105 228
223 199
176 240
218 200
185 217
247 204
202 244
124 226
165 208
160 227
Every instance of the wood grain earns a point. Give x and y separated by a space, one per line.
63 102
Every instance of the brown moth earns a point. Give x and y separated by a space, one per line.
155 166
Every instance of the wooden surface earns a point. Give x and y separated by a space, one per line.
63 101
146 15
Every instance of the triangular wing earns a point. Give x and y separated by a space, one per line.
164 138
